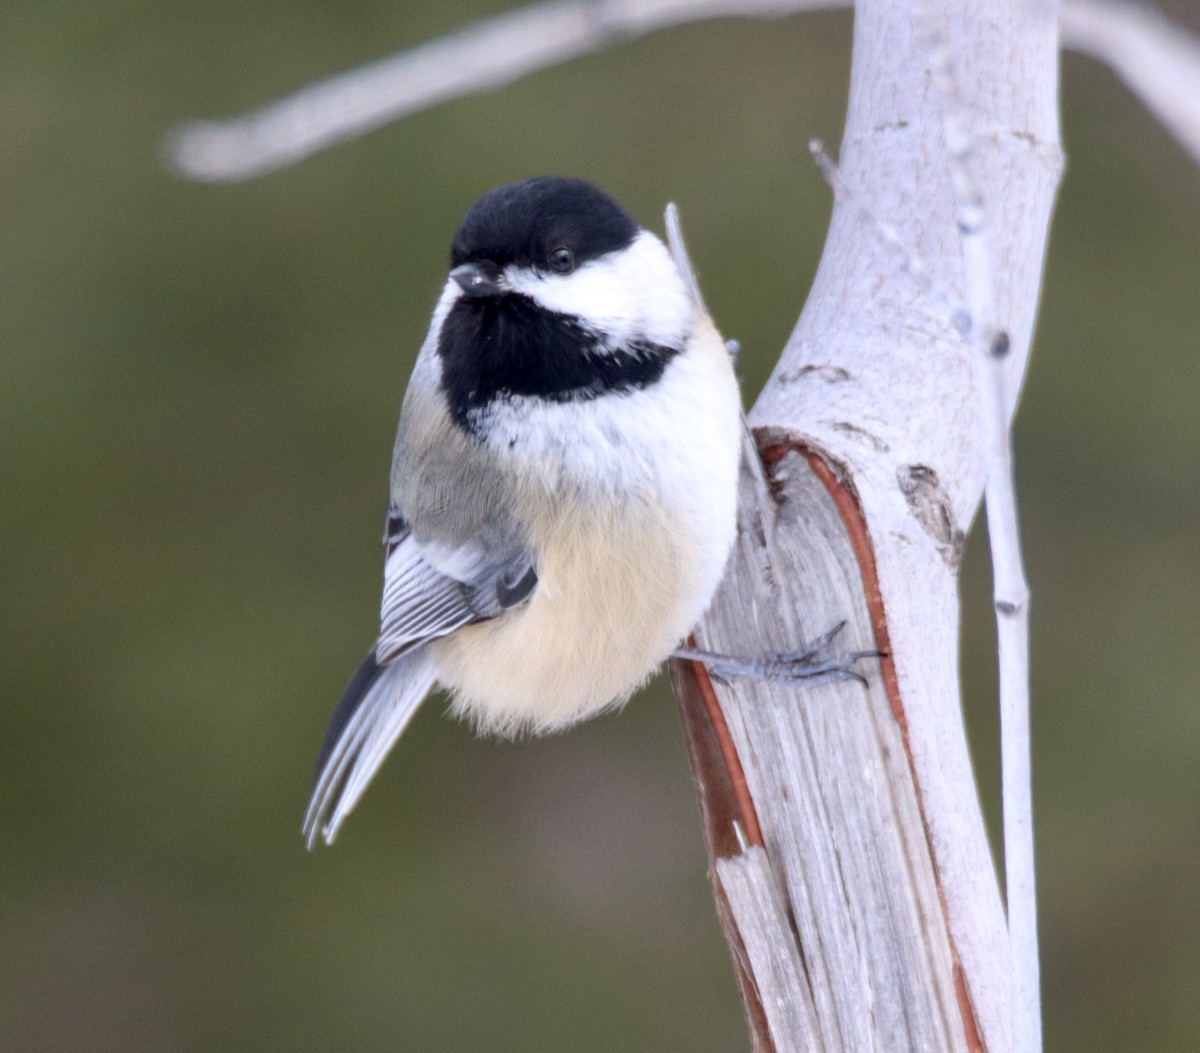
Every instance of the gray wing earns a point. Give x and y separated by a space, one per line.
430 589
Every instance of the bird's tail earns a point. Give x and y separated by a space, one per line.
374 709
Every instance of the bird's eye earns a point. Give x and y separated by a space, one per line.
561 261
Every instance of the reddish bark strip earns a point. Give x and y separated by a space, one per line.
719 810
733 763
856 529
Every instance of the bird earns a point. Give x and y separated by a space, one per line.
563 489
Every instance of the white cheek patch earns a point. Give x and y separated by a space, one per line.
633 294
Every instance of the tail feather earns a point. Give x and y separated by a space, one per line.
373 711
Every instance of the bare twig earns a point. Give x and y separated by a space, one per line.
486 55
679 252
1157 60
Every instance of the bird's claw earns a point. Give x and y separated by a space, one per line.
811 664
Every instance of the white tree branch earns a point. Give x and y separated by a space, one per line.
485 55
989 347
873 418
1156 59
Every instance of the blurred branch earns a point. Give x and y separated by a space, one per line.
482 56
1158 61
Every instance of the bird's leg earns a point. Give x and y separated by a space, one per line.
812 664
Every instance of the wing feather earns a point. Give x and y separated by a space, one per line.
376 707
429 591
422 601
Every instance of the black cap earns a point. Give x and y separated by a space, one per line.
525 223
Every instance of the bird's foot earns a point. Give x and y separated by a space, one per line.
811 664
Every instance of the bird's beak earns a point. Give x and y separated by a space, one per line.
479 279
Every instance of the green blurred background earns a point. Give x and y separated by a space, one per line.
198 389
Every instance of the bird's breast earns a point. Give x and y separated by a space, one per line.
615 591
628 504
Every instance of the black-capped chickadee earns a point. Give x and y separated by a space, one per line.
563 484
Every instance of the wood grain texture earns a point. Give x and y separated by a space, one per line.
875 873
